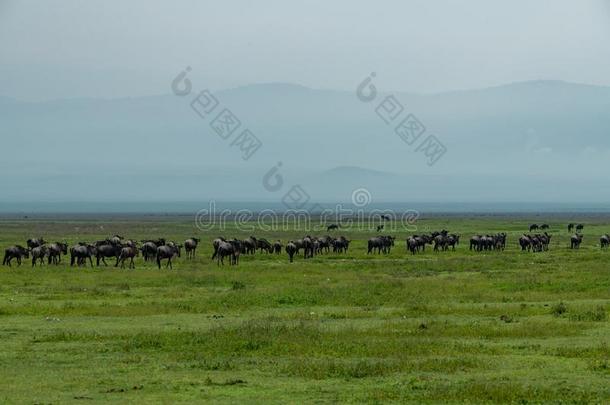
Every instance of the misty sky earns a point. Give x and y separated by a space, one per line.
57 49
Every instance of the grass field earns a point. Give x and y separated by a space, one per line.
438 327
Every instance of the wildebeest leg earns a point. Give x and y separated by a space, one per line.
159 262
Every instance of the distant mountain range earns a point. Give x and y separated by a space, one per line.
539 141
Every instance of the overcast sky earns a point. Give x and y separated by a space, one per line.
55 49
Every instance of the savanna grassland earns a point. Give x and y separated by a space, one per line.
447 327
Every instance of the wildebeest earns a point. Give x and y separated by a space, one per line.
107 250
382 244
231 249
416 243
379 228
15 252
571 227
249 245
277 247
340 245
127 252
579 227
575 241
544 226
35 242
291 249
308 248
533 227
216 244
149 249
167 252
525 241
452 240
38 254
604 241
81 252
55 250
264 244
385 217
190 247
331 227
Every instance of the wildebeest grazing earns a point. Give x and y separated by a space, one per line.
263 244
15 252
533 227
575 241
544 226
331 227
190 247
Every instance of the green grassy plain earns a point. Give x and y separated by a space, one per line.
452 327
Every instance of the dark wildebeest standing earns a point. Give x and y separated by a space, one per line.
291 249
544 226
128 252
308 248
604 241
149 248
575 241
80 253
379 228
231 249
452 240
340 245
571 227
579 227
15 252
533 227
277 247
216 244
264 244
55 250
38 254
190 247
108 250
167 252
331 227
249 245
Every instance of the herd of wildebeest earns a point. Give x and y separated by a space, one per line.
123 250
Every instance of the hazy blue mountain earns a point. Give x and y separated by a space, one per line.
543 141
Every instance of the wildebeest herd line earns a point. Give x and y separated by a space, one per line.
124 250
